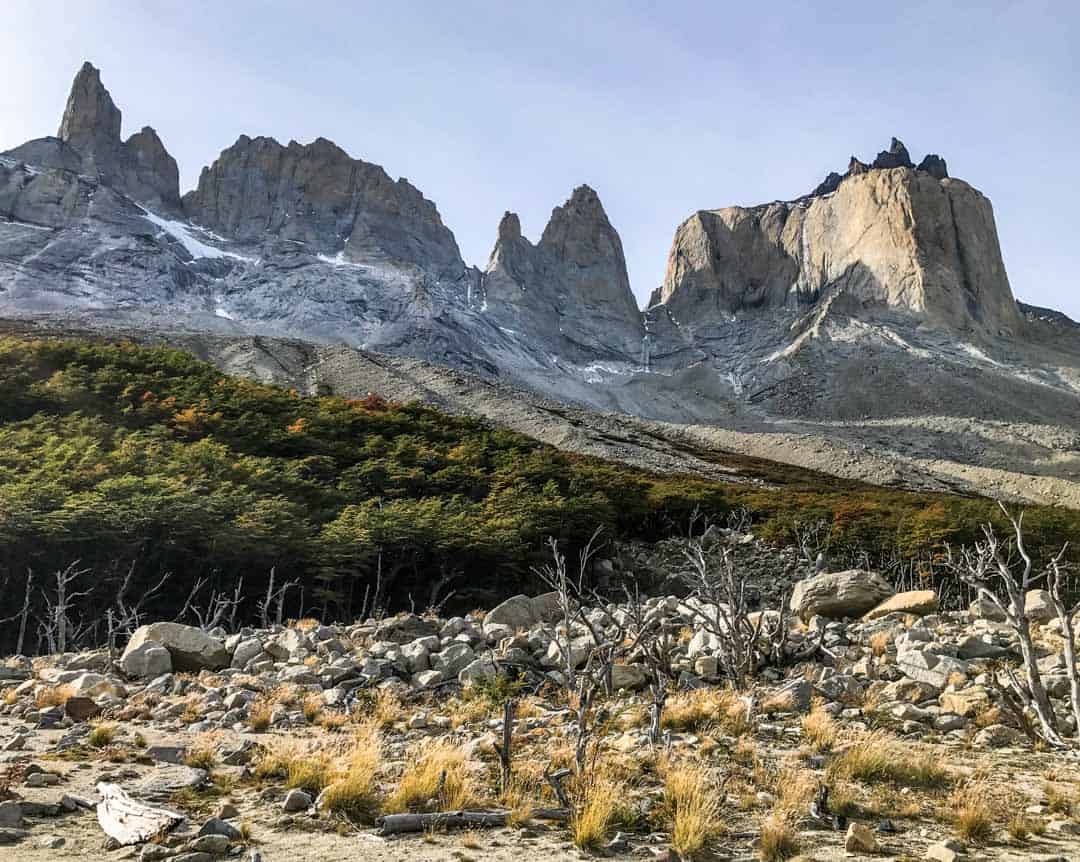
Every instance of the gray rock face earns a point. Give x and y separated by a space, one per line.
570 288
887 238
317 195
91 122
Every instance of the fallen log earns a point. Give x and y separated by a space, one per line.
400 824
130 822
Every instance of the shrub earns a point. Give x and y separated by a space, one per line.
779 840
442 770
819 729
353 791
101 735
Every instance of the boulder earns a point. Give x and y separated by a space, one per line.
95 685
1037 606
930 668
11 815
967 702
516 612
914 602
190 649
629 677
146 661
79 708
837 595
860 839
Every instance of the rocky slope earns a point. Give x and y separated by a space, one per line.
879 298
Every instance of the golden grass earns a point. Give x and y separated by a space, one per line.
881 757
819 729
440 771
260 714
332 720
312 707
696 710
1058 801
596 800
353 791
779 840
879 643
783 701
52 695
298 764
693 806
970 814
101 735
1019 828
202 754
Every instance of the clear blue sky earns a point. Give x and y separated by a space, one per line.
664 108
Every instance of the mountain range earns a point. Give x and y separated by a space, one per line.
870 315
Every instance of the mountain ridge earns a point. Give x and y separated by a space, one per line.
882 294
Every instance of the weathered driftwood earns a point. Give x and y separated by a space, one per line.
398 824
128 821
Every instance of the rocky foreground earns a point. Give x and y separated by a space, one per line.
290 741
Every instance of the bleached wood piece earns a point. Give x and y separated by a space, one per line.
130 822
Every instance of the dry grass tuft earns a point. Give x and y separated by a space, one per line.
779 840
1058 801
101 735
693 805
879 643
312 707
440 773
819 728
353 791
11 697
880 757
298 764
203 752
696 710
52 695
596 799
968 806
260 713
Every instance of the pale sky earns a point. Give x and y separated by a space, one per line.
664 108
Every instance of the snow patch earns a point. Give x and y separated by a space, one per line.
221 312
182 233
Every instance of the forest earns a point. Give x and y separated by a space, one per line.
159 483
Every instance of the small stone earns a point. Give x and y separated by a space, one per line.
11 814
945 851
216 844
51 842
227 811
296 800
42 779
860 839
217 826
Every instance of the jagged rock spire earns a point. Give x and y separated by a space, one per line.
91 122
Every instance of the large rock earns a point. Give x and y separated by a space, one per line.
967 702
915 602
146 661
837 595
190 649
1038 607
929 667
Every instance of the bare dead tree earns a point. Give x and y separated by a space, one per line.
55 625
1067 618
651 638
275 599
746 642
586 663
127 617
23 614
812 539
505 750
1008 565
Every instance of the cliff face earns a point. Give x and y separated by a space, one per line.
571 289
318 195
899 237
